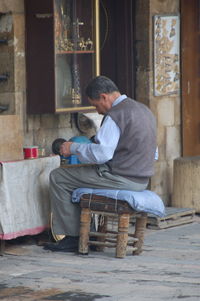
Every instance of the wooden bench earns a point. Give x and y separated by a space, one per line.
119 239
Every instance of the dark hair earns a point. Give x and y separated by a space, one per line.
98 85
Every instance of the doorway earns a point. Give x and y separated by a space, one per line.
190 38
117 43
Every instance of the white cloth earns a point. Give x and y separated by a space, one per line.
24 196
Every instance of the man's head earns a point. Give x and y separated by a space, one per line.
102 92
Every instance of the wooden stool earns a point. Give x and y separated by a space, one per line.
107 207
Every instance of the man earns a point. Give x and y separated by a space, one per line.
122 157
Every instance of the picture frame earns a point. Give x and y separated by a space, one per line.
166 38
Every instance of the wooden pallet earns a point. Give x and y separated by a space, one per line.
174 217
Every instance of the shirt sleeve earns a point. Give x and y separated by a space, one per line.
102 151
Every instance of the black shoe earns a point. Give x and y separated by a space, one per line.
67 244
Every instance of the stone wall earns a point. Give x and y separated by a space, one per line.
38 130
165 108
43 129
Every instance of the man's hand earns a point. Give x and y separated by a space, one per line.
65 149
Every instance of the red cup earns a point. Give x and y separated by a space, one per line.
30 152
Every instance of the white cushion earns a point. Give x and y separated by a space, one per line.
143 201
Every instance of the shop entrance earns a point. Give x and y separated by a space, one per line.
117 36
190 48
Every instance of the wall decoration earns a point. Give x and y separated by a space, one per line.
166 54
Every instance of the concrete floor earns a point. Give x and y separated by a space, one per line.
168 269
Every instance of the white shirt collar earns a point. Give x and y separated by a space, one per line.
119 99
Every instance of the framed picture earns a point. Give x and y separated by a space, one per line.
166 54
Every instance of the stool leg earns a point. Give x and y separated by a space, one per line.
122 236
140 227
102 229
85 220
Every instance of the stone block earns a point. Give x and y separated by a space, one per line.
142 6
153 103
142 86
159 182
19 103
142 52
19 26
163 6
19 52
64 120
177 110
8 99
173 142
170 175
166 111
11 138
49 121
16 6
33 122
19 72
6 24
28 138
44 138
161 142
142 45
7 68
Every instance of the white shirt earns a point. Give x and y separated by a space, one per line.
106 140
